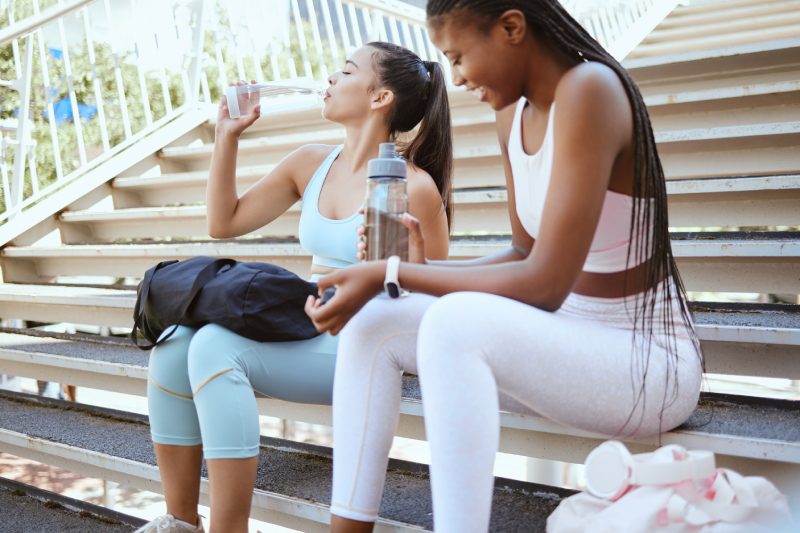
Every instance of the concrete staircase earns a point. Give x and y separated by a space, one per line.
722 82
41 510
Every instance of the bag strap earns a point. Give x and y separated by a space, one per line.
208 273
141 300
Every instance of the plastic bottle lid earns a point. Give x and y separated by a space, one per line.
388 164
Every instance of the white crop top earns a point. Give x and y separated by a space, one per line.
532 174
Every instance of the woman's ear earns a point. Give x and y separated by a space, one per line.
514 25
382 98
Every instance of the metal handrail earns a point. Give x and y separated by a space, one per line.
120 116
23 27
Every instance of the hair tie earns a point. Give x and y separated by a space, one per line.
428 67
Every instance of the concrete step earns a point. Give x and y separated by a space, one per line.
64 303
83 227
727 106
732 201
732 66
175 188
474 212
755 434
749 339
735 201
293 484
27 508
743 339
753 261
94 361
758 18
738 97
758 149
759 262
783 26
718 12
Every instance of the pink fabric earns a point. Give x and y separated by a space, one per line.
532 174
724 503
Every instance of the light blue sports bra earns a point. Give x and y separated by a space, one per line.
333 243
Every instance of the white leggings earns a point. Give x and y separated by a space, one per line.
475 354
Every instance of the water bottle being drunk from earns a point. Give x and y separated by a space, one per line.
242 98
387 201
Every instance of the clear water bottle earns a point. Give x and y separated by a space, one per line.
387 201
242 98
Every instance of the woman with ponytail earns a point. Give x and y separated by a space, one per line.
202 383
583 320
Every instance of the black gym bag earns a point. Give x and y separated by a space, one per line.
260 301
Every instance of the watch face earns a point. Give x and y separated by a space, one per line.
393 290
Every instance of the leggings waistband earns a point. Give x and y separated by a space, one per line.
622 312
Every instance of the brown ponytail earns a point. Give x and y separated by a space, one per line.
420 98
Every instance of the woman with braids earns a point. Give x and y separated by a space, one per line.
583 320
202 383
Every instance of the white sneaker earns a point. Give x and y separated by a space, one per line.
169 524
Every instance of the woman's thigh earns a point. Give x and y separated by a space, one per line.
573 370
297 371
168 363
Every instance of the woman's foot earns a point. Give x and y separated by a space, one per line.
169 524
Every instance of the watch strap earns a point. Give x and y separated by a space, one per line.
391 282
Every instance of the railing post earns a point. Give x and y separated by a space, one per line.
24 88
198 35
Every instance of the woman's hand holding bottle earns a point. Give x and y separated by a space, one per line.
234 127
416 242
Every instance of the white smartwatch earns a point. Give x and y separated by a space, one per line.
391 282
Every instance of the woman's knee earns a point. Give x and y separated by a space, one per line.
451 319
384 332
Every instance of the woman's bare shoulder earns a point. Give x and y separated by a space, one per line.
594 83
309 156
423 193
304 161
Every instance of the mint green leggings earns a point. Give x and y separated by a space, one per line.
203 384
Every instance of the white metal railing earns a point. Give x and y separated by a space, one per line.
312 37
80 91
315 35
92 77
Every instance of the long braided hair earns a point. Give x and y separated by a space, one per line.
553 25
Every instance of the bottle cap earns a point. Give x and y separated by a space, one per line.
387 164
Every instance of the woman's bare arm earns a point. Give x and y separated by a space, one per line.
592 126
589 135
230 215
